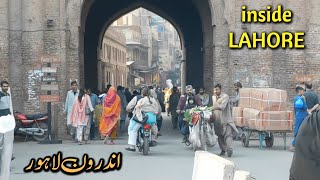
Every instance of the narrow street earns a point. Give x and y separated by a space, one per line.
169 160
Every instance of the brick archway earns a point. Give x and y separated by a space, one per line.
194 27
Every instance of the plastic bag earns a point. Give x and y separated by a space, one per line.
194 137
211 136
299 103
7 123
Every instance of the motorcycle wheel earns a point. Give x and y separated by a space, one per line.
145 146
42 125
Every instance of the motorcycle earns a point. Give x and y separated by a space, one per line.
34 125
144 139
201 131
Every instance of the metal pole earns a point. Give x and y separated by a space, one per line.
49 109
49 139
183 70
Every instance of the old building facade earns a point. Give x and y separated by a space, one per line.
69 35
113 60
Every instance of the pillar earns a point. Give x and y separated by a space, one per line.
183 67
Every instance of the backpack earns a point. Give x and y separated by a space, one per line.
299 103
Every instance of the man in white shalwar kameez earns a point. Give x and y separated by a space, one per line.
71 96
146 104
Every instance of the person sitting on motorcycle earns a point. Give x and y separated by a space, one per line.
147 104
182 105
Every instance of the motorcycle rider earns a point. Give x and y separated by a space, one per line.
146 104
183 102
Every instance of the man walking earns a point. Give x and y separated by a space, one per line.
161 99
173 103
305 163
234 102
6 152
300 111
312 98
223 124
124 103
71 96
94 102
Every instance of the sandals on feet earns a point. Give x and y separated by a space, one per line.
131 149
106 139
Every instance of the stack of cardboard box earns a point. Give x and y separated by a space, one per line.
263 109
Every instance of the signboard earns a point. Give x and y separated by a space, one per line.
50 59
49 78
49 70
160 29
155 20
49 87
303 78
49 98
137 81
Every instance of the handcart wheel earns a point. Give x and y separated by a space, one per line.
269 139
245 139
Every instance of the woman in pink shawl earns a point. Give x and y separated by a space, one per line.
79 116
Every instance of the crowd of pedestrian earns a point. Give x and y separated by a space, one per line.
93 116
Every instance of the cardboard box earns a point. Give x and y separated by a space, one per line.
250 115
268 120
245 98
237 114
239 121
268 99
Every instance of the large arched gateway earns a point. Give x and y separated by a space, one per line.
191 18
67 33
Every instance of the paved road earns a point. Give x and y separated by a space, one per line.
170 160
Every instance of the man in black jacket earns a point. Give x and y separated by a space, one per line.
306 159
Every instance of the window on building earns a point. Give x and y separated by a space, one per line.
106 76
109 80
112 55
121 60
118 55
122 56
122 80
105 51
